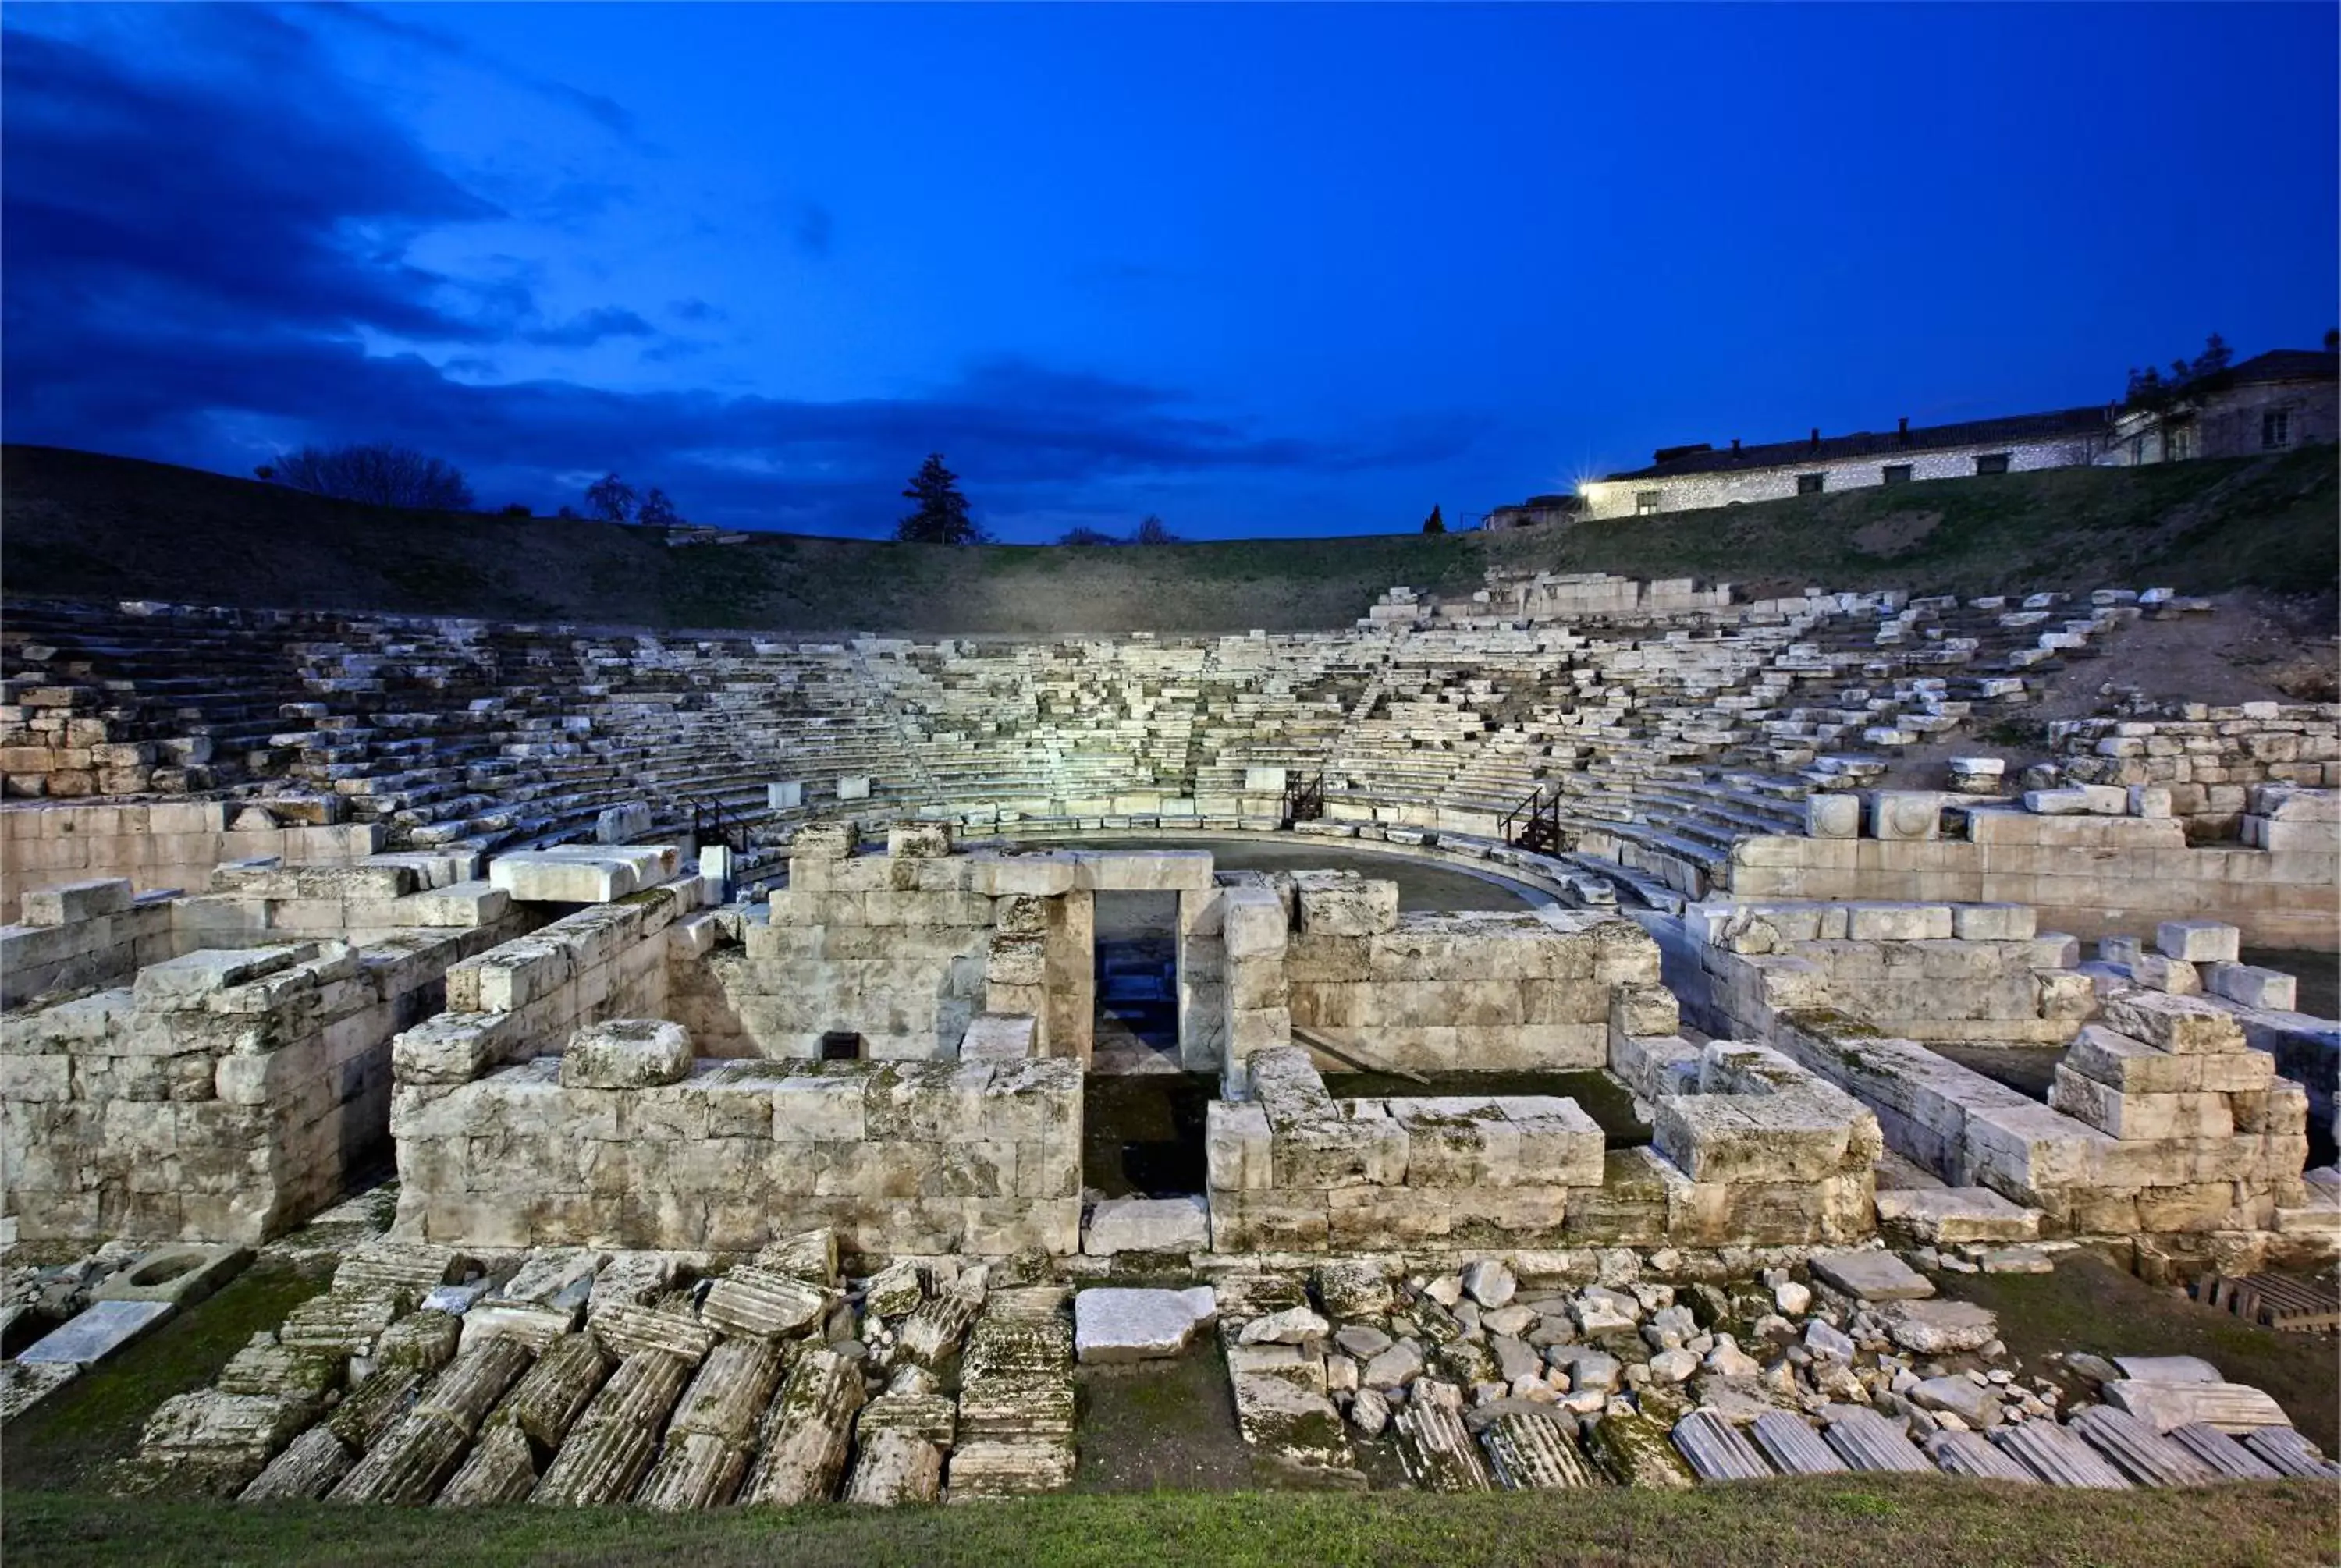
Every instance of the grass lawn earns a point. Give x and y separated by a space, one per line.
1911 1522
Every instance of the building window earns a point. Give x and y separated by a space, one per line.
2275 427
1992 463
841 1045
1811 484
1897 473
1646 501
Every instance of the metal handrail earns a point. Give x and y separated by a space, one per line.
1304 800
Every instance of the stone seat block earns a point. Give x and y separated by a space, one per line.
189 980
626 1054
1750 1137
75 901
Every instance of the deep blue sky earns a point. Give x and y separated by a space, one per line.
1259 269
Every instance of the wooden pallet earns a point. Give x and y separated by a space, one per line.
2277 1300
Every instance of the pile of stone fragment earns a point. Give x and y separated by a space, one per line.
579 1377
1848 1364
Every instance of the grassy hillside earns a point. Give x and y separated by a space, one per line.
84 524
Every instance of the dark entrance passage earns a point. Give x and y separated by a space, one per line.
1137 1024
1142 1133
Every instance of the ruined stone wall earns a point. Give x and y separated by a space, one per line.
157 846
2206 758
921 1157
1619 497
2087 873
222 1096
80 934
1749 1149
1430 992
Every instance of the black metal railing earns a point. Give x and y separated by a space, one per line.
1304 800
1534 824
712 823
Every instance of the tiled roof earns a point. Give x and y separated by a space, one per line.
2071 421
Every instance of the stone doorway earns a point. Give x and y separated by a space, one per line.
1136 1027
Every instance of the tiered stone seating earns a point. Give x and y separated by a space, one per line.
1657 735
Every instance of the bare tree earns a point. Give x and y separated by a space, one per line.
657 510
1152 529
612 499
375 472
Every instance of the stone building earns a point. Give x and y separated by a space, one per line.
2272 402
1687 478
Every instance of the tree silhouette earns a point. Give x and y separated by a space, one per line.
1435 522
375 472
612 499
1084 534
657 510
1152 529
941 516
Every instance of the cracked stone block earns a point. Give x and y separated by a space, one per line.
626 1054
1114 1324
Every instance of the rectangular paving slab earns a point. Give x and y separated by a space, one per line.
102 1329
1875 1275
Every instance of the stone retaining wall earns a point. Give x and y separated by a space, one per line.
222 1096
2087 873
1750 1148
159 845
919 1157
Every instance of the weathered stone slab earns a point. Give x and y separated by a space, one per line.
2230 1407
554 1392
182 1275
2287 1452
374 1406
1872 1275
1349 1289
626 1330
1635 1450
2222 1453
1118 1225
500 1469
1438 1452
1945 1217
599 1465
1938 1327
2169 1369
930 1417
307 1469
1533 1451
1971 1453
762 1303
22 1388
1792 1445
339 1323
1117 1325
407 1465
1868 1440
695 1470
809 1254
1021 1469
425 1340
733 1388
895 1467
534 1323
98 1332
397 1268
1715 1451
626 1054
933 1331
463 1396
2058 1456
806 1433
2137 1450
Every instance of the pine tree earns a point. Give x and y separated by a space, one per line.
941 516
1435 522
